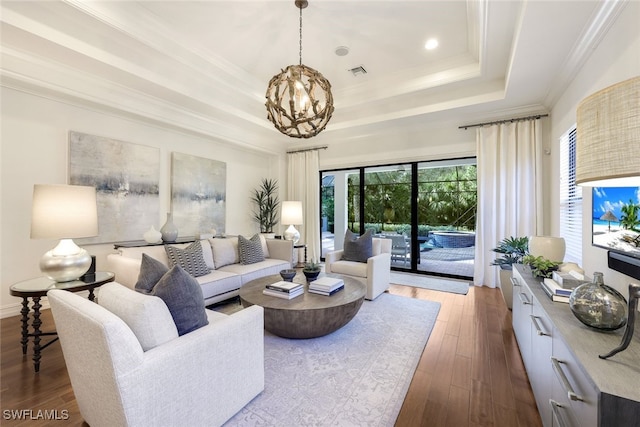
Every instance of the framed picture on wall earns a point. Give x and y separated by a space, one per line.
126 177
615 219
198 194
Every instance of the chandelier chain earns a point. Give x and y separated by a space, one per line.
300 35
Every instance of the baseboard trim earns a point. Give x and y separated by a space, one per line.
11 310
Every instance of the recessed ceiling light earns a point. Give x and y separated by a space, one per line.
342 50
431 44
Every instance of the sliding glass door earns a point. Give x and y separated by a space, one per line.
387 209
446 205
427 210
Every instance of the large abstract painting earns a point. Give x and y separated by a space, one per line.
198 194
126 177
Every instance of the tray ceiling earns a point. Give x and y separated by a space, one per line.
203 66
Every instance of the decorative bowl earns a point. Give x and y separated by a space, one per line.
311 275
287 275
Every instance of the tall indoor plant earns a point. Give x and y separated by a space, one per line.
266 199
512 249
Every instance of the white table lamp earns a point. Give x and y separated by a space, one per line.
64 212
292 215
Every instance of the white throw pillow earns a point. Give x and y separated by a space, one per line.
207 254
146 315
265 248
225 251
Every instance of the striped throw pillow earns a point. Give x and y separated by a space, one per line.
250 250
189 258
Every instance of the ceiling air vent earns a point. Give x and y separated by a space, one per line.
359 70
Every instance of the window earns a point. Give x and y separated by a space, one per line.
570 199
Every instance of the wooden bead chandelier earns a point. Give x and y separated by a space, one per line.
299 100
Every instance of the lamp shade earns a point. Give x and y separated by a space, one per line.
63 212
608 136
291 213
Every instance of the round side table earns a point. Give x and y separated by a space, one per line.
38 288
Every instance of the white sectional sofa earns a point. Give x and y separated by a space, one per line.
221 256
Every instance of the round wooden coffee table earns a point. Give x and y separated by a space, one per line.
308 315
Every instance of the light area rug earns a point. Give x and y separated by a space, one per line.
433 283
356 376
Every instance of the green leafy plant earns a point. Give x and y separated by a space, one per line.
311 266
266 199
513 249
630 219
540 266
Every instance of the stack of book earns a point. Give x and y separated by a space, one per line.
569 280
282 289
556 292
326 286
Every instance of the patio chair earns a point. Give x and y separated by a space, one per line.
399 248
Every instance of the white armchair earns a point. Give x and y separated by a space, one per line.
201 378
375 273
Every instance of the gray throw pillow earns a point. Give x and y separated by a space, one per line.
357 248
151 271
189 258
250 250
183 296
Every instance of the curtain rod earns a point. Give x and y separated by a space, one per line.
536 117
324 147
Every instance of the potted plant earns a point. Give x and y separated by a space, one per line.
540 266
311 270
266 199
512 249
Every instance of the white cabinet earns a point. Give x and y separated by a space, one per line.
573 387
521 312
534 332
542 332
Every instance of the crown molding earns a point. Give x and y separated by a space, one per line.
26 73
604 17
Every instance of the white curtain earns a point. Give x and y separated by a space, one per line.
303 184
509 158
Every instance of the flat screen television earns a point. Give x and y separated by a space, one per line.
616 219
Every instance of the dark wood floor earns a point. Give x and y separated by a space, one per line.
470 373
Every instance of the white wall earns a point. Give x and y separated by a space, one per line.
34 151
434 141
615 59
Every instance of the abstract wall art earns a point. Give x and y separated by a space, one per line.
198 194
126 177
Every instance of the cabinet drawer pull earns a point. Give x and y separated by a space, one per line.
514 281
536 325
524 299
557 413
565 382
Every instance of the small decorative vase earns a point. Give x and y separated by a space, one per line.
598 305
152 236
169 230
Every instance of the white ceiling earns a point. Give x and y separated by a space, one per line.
203 66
